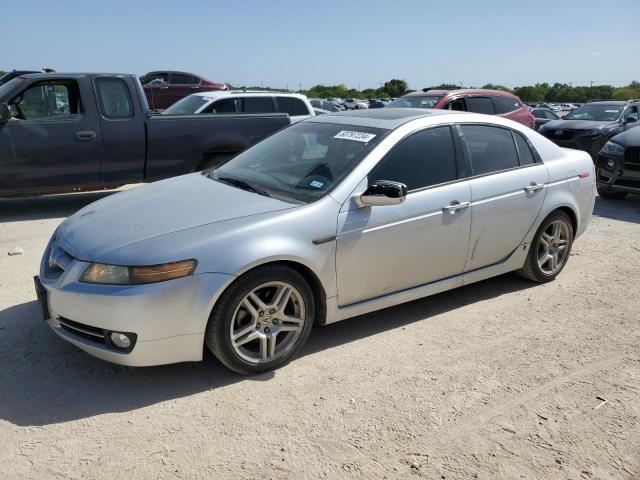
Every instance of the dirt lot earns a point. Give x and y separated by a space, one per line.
494 380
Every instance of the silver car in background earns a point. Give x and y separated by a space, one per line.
336 216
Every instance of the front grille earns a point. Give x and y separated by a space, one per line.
632 159
57 260
85 331
566 136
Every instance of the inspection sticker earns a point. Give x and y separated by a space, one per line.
357 136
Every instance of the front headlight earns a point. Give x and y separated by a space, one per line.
124 275
613 148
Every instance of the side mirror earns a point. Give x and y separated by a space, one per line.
5 113
630 120
383 192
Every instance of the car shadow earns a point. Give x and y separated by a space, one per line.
46 380
627 210
18 209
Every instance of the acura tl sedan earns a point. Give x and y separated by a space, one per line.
336 216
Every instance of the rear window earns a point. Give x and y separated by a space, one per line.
292 106
505 104
524 150
416 101
187 106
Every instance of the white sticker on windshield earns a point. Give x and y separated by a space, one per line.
612 111
357 136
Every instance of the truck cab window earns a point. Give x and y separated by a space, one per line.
47 100
113 98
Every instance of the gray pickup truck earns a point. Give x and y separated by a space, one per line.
69 132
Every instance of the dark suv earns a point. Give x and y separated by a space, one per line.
618 165
164 88
490 102
589 127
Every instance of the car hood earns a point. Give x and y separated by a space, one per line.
157 209
577 124
630 138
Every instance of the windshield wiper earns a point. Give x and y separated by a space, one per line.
236 182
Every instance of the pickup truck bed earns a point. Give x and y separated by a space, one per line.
65 132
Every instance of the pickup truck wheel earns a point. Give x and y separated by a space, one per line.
262 320
549 250
215 161
604 192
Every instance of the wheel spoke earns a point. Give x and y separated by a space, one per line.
247 338
545 239
556 231
554 261
544 259
281 298
258 302
271 344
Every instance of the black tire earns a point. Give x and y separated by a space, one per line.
608 194
531 270
215 161
218 332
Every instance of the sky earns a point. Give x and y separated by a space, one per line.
282 43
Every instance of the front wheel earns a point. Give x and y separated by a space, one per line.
550 248
262 320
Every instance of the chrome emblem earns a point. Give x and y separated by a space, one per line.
559 132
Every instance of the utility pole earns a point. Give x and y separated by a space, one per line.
300 88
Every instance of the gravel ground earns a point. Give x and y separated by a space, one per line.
494 380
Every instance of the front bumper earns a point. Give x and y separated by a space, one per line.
168 318
623 177
575 139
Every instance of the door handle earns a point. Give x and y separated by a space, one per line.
533 187
86 136
455 207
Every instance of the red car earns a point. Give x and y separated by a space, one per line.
491 102
164 88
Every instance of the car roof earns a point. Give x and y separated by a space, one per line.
171 71
608 102
215 94
74 75
387 118
461 91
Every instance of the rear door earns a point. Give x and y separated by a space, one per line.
480 104
293 106
156 89
122 129
53 138
508 186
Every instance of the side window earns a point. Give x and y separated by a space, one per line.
292 106
113 98
258 105
539 113
524 150
228 105
491 149
423 159
155 79
505 104
47 100
182 79
632 113
457 104
480 105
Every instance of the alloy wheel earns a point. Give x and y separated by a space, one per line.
553 247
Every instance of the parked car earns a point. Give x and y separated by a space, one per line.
567 106
336 216
164 88
618 165
64 132
490 102
13 74
337 102
589 127
322 107
378 103
355 104
542 116
242 102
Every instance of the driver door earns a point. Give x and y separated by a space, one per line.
386 249
52 141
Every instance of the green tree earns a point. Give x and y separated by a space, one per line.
395 87
493 86
2 72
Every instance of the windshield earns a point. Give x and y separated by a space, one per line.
602 113
303 162
187 106
416 101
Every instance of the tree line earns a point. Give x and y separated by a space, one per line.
540 92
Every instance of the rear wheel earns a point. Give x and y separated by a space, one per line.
262 320
608 194
549 249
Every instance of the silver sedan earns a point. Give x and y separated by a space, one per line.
333 217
